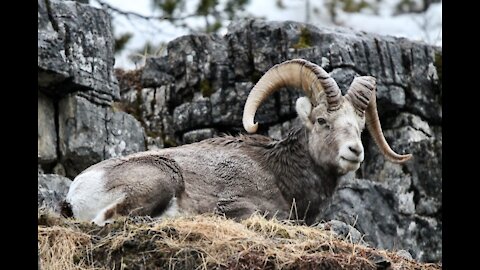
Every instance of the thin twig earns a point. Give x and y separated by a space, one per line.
148 18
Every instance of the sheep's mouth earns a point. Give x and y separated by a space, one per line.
355 161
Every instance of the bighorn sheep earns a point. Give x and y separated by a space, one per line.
237 176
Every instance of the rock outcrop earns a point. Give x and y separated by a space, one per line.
78 124
52 189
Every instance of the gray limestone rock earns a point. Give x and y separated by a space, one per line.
421 176
47 135
376 211
52 190
343 230
75 50
90 133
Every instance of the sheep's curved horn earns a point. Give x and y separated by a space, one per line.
300 73
362 95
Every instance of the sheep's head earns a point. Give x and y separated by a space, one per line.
334 122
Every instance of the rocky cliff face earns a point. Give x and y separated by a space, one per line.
197 90
77 125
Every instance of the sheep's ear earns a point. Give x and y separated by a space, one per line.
304 108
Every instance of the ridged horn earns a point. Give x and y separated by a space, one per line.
362 95
298 73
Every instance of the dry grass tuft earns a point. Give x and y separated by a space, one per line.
203 242
58 247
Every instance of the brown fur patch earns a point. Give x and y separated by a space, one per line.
110 213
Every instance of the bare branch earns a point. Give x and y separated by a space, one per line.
140 16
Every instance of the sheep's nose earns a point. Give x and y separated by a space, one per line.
356 149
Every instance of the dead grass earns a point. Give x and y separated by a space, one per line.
58 246
130 79
203 242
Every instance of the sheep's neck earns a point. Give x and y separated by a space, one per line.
297 176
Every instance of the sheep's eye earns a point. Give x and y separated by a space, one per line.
321 121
